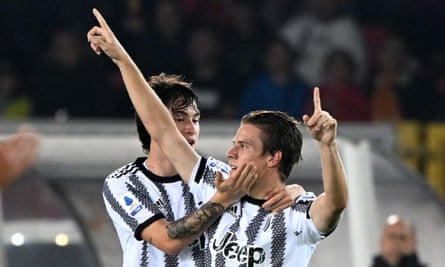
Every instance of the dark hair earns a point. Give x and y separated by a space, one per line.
279 133
175 93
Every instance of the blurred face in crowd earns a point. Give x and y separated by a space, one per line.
397 240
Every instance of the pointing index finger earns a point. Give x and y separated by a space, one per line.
102 22
317 101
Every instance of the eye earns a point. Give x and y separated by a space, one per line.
180 119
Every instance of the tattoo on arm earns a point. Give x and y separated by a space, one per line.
195 222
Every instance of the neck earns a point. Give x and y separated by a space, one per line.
158 163
265 185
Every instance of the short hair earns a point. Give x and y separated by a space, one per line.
176 94
280 132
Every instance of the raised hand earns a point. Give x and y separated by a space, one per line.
321 125
102 39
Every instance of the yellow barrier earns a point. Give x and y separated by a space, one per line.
409 143
435 164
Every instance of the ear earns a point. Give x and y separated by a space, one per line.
275 159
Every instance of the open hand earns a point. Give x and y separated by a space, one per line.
236 185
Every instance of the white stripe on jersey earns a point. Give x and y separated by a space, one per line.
134 197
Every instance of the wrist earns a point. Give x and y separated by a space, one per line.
331 144
219 198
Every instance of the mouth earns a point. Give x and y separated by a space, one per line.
232 167
191 142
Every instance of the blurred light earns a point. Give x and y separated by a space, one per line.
17 239
393 219
62 240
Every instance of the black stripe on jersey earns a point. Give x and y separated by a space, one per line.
171 261
278 239
201 169
130 221
144 256
254 227
166 199
124 170
140 191
190 206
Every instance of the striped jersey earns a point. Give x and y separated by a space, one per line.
247 235
134 198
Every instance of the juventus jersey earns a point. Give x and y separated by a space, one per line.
134 198
247 235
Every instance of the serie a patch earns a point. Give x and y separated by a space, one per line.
131 205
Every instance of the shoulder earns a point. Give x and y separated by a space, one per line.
206 168
303 202
127 169
217 165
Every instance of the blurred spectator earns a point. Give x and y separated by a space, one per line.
65 82
209 74
14 103
314 28
276 87
420 25
343 97
275 13
216 13
245 41
437 68
17 153
161 47
398 91
398 245
318 29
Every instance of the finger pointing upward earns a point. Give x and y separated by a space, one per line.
102 22
317 101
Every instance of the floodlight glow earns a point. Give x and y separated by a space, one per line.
17 239
62 240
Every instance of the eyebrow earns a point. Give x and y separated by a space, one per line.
182 112
242 142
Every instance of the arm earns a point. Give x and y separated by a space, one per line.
153 113
171 237
17 154
328 207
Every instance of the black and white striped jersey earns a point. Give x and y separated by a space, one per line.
134 198
247 235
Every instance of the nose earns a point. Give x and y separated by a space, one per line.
230 153
191 128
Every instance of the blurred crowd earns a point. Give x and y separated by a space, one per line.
374 60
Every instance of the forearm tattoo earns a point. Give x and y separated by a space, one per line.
195 222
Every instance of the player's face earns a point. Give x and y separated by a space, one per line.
187 122
247 147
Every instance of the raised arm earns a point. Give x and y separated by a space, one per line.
328 207
155 116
